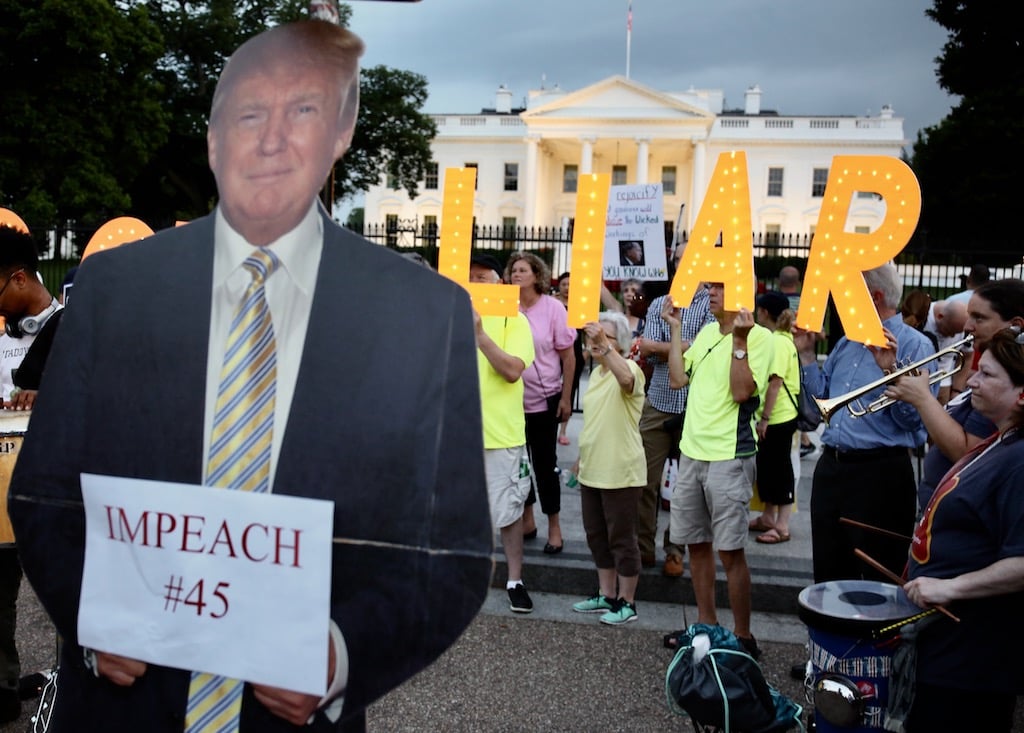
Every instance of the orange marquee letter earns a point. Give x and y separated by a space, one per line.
456 246
588 248
839 258
726 210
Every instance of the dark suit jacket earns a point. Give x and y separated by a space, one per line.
385 421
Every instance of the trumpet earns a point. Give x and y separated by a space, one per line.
852 399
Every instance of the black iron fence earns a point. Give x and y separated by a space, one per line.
936 271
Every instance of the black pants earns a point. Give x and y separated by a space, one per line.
541 434
775 479
10 581
877 490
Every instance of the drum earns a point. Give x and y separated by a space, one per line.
851 625
12 431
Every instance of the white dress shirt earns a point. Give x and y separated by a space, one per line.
289 292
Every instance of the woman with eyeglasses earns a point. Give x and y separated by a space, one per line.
612 469
968 554
958 427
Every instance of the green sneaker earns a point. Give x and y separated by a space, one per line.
623 613
597 604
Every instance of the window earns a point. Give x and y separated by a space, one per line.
775 181
772 234
570 174
668 179
391 227
430 229
618 175
508 231
511 176
430 182
862 230
820 179
476 167
392 182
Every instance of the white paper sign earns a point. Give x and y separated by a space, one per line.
634 238
211 580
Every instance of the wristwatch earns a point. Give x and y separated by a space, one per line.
739 354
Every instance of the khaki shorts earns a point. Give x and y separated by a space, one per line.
709 502
506 491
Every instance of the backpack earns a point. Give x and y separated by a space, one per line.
808 416
716 683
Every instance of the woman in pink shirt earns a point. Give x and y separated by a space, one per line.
546 396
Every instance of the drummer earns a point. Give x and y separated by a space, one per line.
968 552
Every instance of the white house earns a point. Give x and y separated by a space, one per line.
529 160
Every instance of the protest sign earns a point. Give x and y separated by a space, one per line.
212 580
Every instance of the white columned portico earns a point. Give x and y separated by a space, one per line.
642 156
531 176
587 155
697 185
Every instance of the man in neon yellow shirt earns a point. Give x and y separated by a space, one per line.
727 370
504 351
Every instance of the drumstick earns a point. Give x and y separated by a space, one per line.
895 578
872 528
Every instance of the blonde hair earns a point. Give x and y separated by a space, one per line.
313 43
785 320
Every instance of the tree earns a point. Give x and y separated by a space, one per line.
81 110
392 135
970 188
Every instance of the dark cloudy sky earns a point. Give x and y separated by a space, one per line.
808 56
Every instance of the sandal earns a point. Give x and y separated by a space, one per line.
772 537
759 525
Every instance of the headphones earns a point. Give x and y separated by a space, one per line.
31 325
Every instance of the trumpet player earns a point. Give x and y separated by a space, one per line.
865 471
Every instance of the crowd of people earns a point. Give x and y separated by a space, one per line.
722 398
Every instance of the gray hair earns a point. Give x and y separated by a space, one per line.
623 334
887 280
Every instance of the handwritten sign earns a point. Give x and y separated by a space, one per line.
189 576
634 238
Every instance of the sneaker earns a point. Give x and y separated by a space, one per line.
597 604
806 450
519 600
750 646
622 614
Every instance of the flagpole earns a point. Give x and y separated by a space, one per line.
629 33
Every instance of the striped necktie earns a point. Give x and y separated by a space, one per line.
239 457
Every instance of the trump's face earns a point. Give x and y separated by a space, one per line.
272 143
